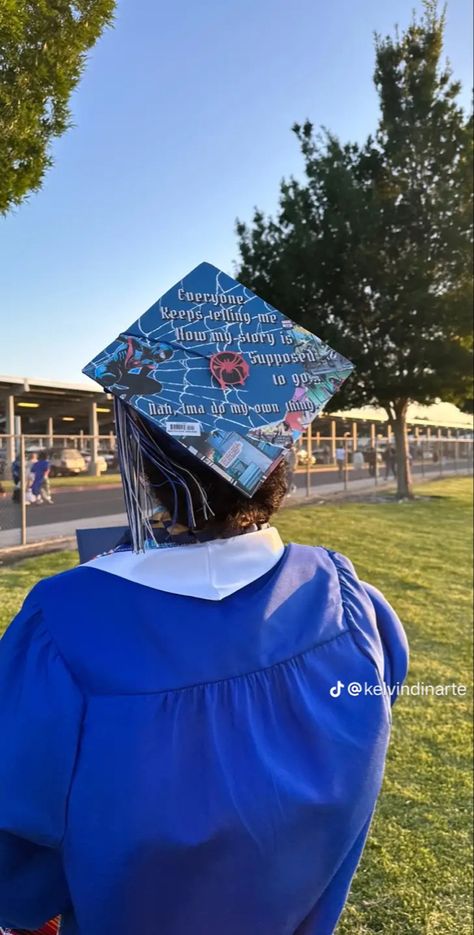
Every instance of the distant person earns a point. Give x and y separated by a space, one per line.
39 476
393 461
46 487
16 478
16 473
358 461
291 463
389 459
340 459
372 461
29 477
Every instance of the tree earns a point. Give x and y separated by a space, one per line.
43 47
372 251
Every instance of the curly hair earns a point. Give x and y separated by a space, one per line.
232 509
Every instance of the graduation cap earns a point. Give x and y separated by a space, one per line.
219 371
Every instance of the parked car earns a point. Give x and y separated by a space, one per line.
302 458
65 462
322 455
111 458
100 461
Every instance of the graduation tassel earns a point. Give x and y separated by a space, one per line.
129 458
134 442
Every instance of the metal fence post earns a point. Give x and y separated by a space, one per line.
346 465
333 441
23 489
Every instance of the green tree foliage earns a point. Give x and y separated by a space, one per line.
372 250
43 47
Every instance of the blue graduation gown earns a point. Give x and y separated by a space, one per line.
178 766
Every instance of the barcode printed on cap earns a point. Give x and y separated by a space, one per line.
183 428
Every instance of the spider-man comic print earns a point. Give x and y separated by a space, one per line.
223 372
133 367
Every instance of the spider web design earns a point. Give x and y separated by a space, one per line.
259 413
236 333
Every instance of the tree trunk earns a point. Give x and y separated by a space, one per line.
398 417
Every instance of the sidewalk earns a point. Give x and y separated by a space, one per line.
47 533
67 528
337 489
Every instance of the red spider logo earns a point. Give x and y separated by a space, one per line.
229 368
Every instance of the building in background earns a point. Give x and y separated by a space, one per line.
80 416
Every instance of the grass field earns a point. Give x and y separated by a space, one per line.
415 875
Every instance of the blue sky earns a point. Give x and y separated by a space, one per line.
182 123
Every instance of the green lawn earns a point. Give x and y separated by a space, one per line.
414 878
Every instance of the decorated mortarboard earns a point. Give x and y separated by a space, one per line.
222 372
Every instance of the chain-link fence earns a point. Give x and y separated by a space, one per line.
343 462
52 485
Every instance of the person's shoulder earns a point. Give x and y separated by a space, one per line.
316 552
86 585
75 607
321 553
51 606
66 585
321 559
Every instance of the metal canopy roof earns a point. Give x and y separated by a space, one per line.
20 385
442 415
38 400
57 400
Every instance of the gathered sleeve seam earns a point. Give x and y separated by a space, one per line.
341 573
40 612
295 659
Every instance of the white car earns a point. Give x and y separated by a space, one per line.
100 461
65 462
302 458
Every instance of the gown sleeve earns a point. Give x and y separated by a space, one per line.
377 630
394 641
380 635
41 711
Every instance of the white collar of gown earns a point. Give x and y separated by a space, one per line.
210 570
